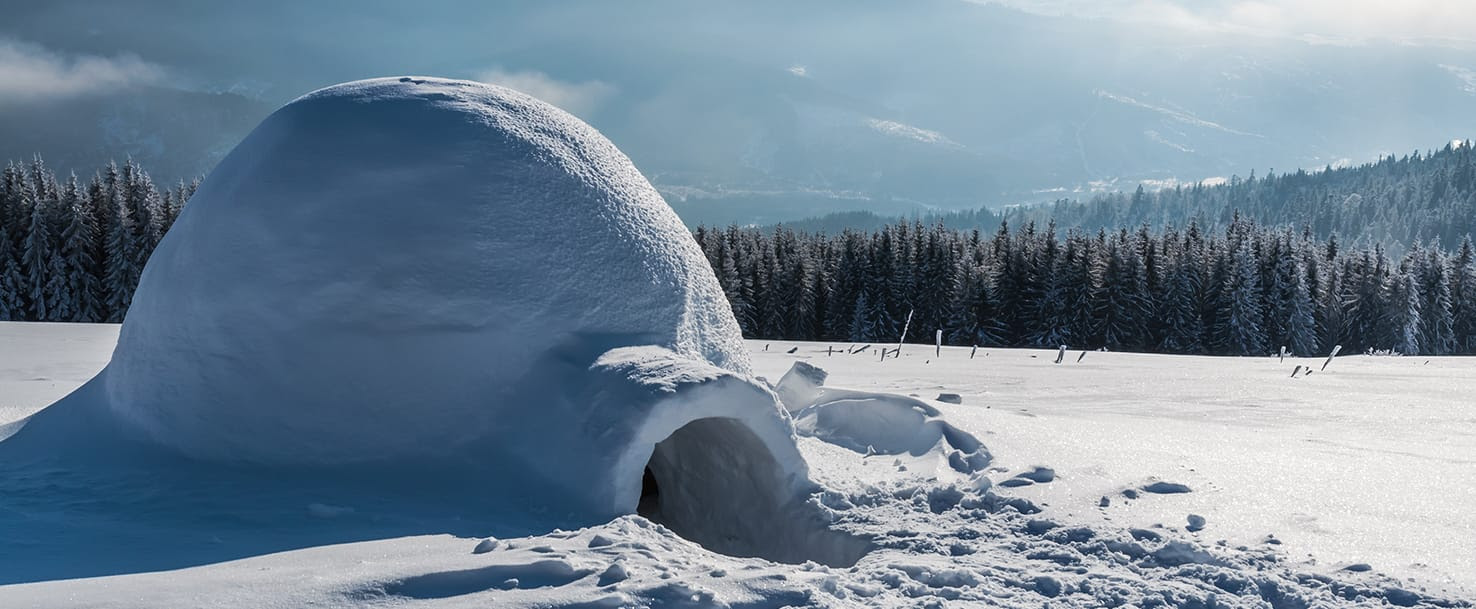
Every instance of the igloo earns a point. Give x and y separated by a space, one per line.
429 271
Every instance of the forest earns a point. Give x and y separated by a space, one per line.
1186 277
1394 201
73 250
1248 290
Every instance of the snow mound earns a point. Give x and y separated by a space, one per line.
445 280
355 279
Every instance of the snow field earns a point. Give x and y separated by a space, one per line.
43 362
1371 461
941 537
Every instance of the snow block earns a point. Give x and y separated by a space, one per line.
800 386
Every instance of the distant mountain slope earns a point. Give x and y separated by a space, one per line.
177 134
1395 201
769 111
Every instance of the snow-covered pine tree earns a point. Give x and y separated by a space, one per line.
1047 319
849 275
1437 320
1179 308
12 279
1301 322
1365 282
36 248
1402 302
1242 304
796 289
1463 296
1121 307
1007 275
1274 266
933 287
1149 255
143 204
1078 283
872 322
1332 328
776 311
78 240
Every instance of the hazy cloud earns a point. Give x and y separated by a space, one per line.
1338 21
577 98
30 72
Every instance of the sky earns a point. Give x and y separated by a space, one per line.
29 71
32 67
1333 21
793 107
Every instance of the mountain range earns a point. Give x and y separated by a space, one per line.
769 111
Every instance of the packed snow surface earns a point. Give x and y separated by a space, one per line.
368 254
1351 487
427 306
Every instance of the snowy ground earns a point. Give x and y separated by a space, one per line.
40 363
1372 461
1300 484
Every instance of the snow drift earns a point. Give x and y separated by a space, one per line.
359 283
873 423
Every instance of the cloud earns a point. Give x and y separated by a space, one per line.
29 72
577 98
1339 21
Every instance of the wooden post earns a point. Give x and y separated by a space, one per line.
905 326
1330 356
938 344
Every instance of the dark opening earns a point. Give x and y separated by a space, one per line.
650 494
714 482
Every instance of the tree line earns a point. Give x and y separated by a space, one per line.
1245 290
72 250
1396 201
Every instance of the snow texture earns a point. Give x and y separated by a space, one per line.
414 281
875 423
939 539
371 252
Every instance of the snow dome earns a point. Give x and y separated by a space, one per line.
428 271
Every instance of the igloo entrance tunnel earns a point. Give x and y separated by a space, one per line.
458 277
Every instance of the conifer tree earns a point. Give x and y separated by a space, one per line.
1403 312
77 250
37 247
1242 305
1180 309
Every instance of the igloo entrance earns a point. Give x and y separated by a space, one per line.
713 481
